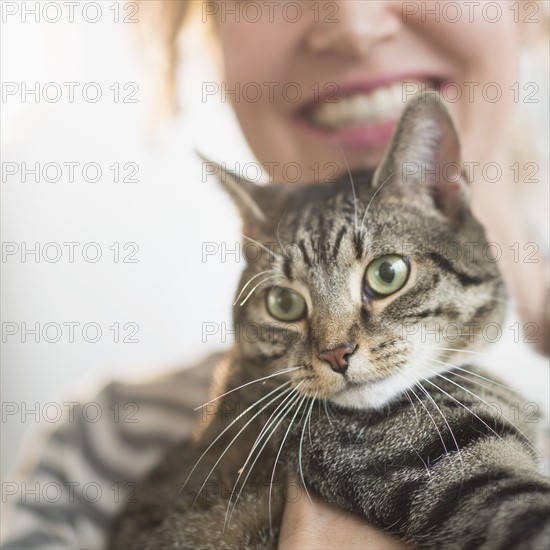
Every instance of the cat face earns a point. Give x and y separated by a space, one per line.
367 285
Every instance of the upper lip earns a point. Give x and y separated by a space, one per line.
350 87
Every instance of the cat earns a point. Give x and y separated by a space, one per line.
340 379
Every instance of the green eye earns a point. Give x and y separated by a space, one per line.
387 275
285 304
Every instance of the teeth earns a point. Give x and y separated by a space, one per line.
381 105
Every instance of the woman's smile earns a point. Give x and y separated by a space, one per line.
360 113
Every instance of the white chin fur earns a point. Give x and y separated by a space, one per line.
374 396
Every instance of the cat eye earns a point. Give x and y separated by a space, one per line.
387 274
285 304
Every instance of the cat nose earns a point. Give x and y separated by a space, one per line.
338 356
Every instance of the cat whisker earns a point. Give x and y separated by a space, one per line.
249 281
412 405
303 413
418 385
266 426
258 285
277 373
423 462
485 402
248 409
331 409
233 441
308 416
458 451
462 350
458 350
372 198
277 231
465 377
444 420
270 424
415 382
482 377
466 370
326 412
275 415
465 337
431 417
352 188
298 407
460 403
263 247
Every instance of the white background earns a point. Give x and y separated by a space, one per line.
169 213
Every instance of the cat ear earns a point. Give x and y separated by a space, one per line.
423 158
246 195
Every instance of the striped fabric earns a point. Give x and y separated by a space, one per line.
72 482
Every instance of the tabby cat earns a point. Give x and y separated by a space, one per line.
341 378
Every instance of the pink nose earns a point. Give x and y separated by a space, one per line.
337 357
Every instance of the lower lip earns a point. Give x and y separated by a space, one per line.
375 136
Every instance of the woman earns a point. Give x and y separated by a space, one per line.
333 77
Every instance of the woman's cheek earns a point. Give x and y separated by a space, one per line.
483 91
258 52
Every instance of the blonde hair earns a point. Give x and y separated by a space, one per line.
161 22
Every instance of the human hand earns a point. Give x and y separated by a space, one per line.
316 524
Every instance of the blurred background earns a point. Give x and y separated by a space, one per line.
150 214
162 214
